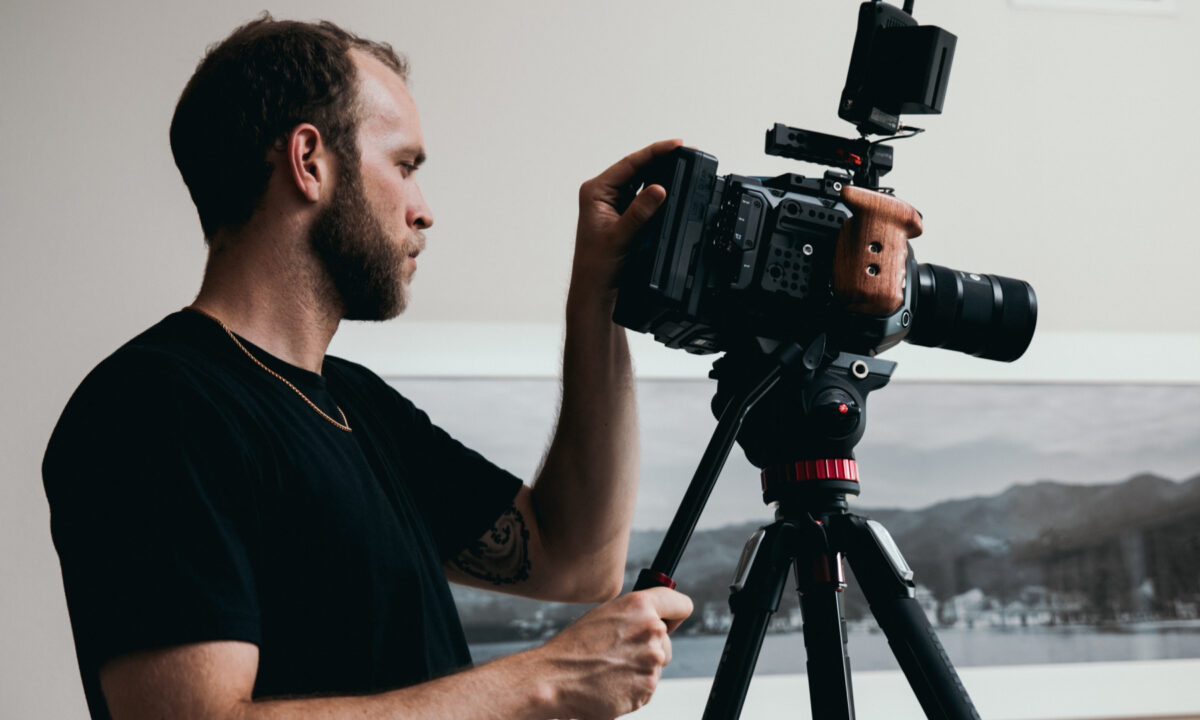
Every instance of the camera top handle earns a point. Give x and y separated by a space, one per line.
867 160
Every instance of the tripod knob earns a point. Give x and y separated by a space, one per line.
837 412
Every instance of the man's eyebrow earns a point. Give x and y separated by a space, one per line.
416 151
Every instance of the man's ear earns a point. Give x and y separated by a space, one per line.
308 161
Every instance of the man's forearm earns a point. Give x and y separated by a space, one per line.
215 680
605 664
585 493
507 688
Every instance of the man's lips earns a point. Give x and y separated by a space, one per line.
416 246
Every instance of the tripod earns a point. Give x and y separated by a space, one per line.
802 433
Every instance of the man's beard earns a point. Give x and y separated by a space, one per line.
363 264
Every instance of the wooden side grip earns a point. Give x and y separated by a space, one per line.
869 262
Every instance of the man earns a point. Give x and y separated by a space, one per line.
251 529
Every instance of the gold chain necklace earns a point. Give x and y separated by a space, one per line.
343 425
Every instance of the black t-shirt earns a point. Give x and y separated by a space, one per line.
195 497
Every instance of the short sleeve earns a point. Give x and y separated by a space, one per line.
151 496
460 493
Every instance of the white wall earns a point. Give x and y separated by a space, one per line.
1065 157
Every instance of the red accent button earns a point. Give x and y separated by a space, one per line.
664 580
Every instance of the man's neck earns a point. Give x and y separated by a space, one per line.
272 297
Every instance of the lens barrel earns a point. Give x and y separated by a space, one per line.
987 316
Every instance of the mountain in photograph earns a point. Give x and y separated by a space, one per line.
1060 553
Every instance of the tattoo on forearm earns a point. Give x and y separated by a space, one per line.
501 556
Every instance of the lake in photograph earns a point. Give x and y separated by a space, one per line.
783 653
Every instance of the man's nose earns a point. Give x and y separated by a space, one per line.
419 214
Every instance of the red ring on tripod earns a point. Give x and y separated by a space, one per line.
805 470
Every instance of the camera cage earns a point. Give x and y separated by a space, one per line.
732 256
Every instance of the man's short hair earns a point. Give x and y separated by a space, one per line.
247 95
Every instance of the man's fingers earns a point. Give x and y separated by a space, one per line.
672 624
623 170
673 607
639 211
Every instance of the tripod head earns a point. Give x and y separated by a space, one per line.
802 432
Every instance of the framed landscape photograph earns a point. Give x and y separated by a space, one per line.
1045 522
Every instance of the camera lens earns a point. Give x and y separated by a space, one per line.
986 316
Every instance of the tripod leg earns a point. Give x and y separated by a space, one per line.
754 597
887 582
821 584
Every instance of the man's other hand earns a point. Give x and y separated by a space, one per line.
608 662
604 233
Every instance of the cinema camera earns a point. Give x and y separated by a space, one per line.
732 257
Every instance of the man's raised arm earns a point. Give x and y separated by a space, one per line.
580 509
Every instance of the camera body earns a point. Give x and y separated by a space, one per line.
732 256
